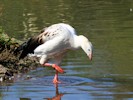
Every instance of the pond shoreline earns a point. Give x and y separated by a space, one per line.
9 62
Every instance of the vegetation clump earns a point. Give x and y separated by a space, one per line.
9 62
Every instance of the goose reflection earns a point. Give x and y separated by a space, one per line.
57 94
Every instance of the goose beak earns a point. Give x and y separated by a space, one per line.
90 56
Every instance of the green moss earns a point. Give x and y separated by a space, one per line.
6 40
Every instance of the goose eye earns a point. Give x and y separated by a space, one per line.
89 50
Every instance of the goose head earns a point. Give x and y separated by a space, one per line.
86 45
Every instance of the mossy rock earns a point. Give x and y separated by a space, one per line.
9 62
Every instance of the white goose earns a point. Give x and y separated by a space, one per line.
53 42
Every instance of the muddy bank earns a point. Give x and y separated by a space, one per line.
9 62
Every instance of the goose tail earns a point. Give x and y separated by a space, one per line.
27 47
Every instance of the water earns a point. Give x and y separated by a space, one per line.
107 23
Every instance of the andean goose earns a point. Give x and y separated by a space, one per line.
53 42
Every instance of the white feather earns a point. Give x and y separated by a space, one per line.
58 39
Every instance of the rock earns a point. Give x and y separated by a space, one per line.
3 71
9 62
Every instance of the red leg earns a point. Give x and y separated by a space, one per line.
57 68
56 80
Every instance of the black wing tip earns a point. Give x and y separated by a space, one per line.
23 49
28 47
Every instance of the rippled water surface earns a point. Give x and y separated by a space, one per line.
109 26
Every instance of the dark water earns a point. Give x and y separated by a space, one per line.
107 23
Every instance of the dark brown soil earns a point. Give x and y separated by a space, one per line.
9 62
